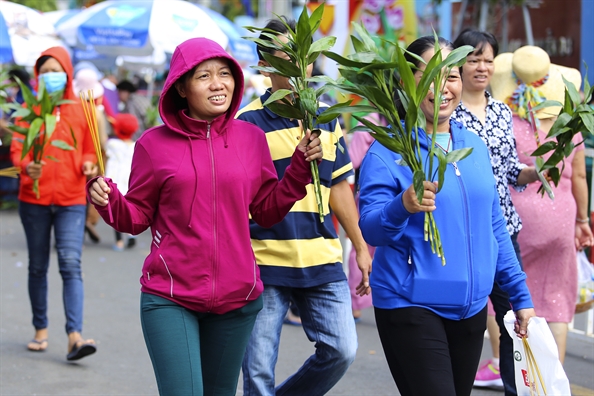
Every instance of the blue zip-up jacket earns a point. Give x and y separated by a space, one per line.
473 232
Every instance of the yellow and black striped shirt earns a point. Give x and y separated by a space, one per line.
300 251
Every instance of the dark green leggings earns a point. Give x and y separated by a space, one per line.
195 353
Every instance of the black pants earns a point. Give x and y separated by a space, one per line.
429 355
500 301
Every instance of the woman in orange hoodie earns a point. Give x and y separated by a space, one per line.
62 204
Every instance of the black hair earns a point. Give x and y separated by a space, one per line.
419 47
21 74
126 86
41 61
278 26
478 39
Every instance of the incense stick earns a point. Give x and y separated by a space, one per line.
12 171
91 117
88 104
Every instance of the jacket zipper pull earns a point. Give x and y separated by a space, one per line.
208 131
456 168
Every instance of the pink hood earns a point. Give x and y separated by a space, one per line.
186 56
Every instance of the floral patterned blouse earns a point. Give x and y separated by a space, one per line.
498 135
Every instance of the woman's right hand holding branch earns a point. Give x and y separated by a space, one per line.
99 192
411 203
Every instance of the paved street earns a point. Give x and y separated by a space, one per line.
122 366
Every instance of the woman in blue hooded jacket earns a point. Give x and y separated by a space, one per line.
431 318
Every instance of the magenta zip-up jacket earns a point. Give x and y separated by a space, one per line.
195 186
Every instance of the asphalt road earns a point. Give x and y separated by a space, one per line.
122 366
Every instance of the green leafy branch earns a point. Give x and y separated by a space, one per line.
381 76
302 101
576 116
39 115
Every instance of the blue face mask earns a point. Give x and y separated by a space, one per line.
54 81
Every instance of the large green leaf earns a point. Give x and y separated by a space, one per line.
21 112
379 65
32 133
263 43
286 68
316 18
323 44
62 144
568 149
286 111
441 168
341 60
458 155
544 148
546 103
561 121
28 96
418 179
353 77
18 129
587 95
304 33
277 95
379 98
588 120
364 36
312 57
573 92
407 76
343 108
50 125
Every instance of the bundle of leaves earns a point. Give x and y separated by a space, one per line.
302 101
576 116
38 114
381 75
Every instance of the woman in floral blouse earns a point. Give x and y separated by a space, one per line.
491 119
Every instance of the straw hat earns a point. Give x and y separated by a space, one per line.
528 75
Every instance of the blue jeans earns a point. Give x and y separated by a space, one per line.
327 320
501 305
69 224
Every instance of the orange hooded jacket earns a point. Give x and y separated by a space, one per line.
62 180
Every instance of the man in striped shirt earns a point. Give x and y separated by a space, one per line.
301 258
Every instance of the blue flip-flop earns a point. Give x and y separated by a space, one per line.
82 350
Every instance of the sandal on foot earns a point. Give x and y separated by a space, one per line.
81 350
40 345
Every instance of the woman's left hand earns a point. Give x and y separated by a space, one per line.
522 318
90 169
583 235
311 146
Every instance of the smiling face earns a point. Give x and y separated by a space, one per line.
208 90
479 69
452 93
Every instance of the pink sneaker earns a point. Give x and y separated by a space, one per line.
488 376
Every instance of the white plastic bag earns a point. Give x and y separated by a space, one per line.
548 376
585 278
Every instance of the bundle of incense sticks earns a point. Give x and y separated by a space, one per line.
13 171
88 105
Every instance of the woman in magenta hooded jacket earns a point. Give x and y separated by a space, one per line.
195 181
